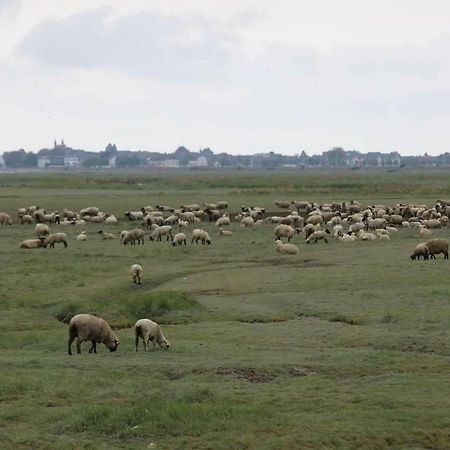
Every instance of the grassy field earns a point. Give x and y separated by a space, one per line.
344 346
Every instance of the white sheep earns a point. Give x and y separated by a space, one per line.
54 238
159 231
82 236
225 232
223 221
317 236
200 235
136 272
111 219
32 243
5 219
148 331
107 236
179 239
41 229
133 237
87 327
283 230
288 249
247 221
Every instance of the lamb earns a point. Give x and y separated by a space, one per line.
41 230
225 232
87 327
106 236
284 231
158 232
317 236
82 236
288 249
52 239
5 219
148 331
421 250
437 246
32 243
132 236
136 272
179 238
202 235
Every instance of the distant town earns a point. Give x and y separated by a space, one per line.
62 156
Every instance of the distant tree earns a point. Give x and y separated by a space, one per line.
127 161
93 161
336 157
20 158
110 149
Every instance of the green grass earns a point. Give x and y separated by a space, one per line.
344 346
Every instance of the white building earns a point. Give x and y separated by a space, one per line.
199 162
169 163
71 161
43 162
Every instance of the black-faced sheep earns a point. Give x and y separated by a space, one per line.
200 235
148 331
87 327
106 236
317 236
179 239
133 237
420 250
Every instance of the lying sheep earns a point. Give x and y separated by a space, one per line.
134 215
32 243
288 249
148 331
133 237
41 230
87 327
425 232
202 235
225 232
317 236
283 230
136 272
348 238
82 236
437 246
159 232
54 238
222 221
107 236
111 219
421 250
90 211
5 219
179 239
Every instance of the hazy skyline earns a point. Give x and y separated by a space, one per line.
238 76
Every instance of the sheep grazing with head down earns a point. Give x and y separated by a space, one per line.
133 237
179 238
136 272
200 235
87 327
317 236
159 231
420 250
287 249
54 238
147 330
5 219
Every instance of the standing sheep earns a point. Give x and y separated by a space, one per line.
136 272
202 235
437 246
421 250
158 232
87 327
52 239
41 230
179 239
148 331
5 219
133 237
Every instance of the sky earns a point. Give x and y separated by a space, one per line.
241 76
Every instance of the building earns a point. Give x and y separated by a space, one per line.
168 164
2 162
199 162
71 161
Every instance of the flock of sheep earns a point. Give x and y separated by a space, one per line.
343 221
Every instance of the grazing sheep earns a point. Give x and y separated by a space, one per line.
148 331
32 243
107 236
437 246
136 272
421 250
41 230
52 239
288 249
182 224
202 235
158 232
222 221
308 230
282 230
283 204
133 237
317 236
82 236
225 232
179 239
5 219
87 327
247 221
26 219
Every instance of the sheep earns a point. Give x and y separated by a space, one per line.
162 208
111 219
187 216
94 219
348 238
132 236
338 231
26 219
432 223
191 207
179 238
182 224
90 211
148 331
222 205
202 235
136 272
32 243
38 216
213 214
437 246
87 327
158 232
365 236
225 232
283 204
317 236
315 219
383 237
425 232
288 249
222 221
82 236
107 236
421 250
52 239
5 219
284 231
308 230
41 230
209 205
247 221
134 215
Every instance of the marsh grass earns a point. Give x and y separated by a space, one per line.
368 326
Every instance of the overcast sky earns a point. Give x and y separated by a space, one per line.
240 76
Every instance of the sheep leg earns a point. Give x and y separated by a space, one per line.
78 346
69 343
65 244
446 255
93 347
139 280
136 340
325 239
